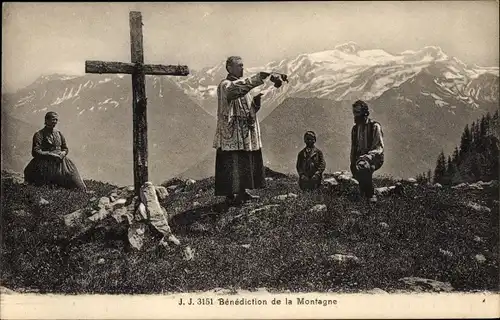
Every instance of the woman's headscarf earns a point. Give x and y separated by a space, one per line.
50 115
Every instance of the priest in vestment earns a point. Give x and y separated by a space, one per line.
238 165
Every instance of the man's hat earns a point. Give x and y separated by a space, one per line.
50 115
360 108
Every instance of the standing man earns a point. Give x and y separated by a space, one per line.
238 163
367 149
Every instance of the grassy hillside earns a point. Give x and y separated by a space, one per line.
425 232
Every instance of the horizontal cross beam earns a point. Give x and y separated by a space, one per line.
92 66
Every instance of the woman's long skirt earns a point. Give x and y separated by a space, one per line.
53 171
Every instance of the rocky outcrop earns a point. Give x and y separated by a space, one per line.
123 206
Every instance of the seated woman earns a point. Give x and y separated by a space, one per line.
49 165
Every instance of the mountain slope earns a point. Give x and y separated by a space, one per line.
284 128
419 118
281 245
416 126
96 118
16 144
423 98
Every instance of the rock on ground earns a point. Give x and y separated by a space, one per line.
283 197
104 202
21 213
330 182
377 291
318 208
4 290
172 188
161 192
422 284
382 191
266 207
12 177
475 186
137 212
188 253
344 173
480 258
344 258
446 253
155 211
478 207
384 225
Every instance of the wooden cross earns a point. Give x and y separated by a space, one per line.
138 70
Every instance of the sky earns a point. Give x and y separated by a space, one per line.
46 38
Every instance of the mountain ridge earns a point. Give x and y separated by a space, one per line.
331 74
409 92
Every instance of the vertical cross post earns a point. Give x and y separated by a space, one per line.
140 123
138 70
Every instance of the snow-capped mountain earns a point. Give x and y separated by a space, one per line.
423 98
349 73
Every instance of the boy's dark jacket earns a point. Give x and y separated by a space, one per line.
314 163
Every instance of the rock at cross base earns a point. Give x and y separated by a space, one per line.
136 211
172 188
104 202
100 215
154 210
161 192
